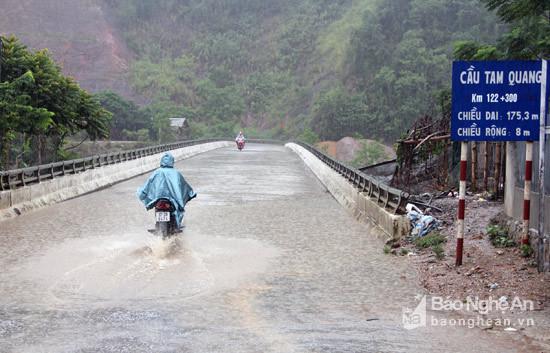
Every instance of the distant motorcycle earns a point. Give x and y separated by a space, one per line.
240 144
165 220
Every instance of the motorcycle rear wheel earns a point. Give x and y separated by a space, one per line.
161 228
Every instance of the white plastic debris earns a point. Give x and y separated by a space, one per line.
411 207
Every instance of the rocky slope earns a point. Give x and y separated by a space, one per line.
345 149
79 35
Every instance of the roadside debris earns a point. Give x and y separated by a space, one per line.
421 224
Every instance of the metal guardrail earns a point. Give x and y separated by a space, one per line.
13 179
17 178
387 197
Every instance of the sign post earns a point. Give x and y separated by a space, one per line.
527 192
542 147
499 101
461 202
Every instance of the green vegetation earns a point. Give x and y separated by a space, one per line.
495 230
370 153
527 38
499 236
326 68
400 56
309 136
430 239
126 114
526 250
338 67
438 251
40 108
503 242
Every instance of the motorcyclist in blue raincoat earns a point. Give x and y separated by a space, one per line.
166 182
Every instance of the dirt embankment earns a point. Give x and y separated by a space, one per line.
79 35
501 274
345 149
484 264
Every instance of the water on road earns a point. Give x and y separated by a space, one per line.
268 261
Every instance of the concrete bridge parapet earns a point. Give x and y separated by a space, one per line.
381 222
16 201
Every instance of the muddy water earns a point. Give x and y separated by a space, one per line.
267 262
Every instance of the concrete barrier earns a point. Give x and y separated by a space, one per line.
512 217
17 201
382 223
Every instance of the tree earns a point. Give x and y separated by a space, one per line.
126 114
161 112
308 136
512 10
280 57
220 104
339 113
399 56
17 115
166 79
369 154
42 104
221 78
528 37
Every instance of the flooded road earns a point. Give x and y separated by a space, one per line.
268 261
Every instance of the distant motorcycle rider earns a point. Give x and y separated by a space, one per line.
240 136
167 183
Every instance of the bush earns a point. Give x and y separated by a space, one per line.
526 250
495 230
429 240
142 135
503 242
369 154
438 250
499 236
308 136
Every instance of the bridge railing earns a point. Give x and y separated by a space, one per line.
391 199
386 196
18 178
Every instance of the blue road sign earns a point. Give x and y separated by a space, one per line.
497 100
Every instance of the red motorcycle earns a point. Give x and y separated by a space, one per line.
240 144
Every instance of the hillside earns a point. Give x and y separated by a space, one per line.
340 67
79 35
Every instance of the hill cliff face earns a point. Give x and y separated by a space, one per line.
79 35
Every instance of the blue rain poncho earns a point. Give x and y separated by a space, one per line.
167 183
